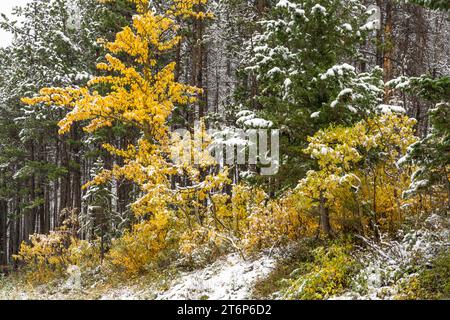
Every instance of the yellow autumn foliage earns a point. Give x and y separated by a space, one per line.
46 257
190 9
248 220
138 248
358 175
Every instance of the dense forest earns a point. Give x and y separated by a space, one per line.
116 117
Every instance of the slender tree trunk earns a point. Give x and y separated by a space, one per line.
65 201
379 35
16 237
325 217
198 60
388 46
3 235
76 170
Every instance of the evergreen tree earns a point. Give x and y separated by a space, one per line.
46 50
301 62
432 154
54 45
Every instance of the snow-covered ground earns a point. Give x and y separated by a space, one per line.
390 263
228 278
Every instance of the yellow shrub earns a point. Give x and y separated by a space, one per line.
275 222
84 254
143 245
45 257
48 256
246 220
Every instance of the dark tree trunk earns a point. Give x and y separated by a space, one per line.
76 169
3 235
65 193
388 46
325 217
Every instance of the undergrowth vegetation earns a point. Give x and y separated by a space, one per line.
432 282
330 273
358 191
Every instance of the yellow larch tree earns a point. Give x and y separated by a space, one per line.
142 93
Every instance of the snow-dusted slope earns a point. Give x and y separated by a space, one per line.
229 278
388 264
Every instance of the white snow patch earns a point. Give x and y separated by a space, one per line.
258 123
122 294
274 71
337 70
315 114
384 108
287 83
318 9
283 4
74 280
229 278
347 26
352 109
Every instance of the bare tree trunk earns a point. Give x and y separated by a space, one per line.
388 46
65 201
198 60
325 217
3 234
379 36
76 170
16 234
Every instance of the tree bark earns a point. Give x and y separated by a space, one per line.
388 46
325 217
3 235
